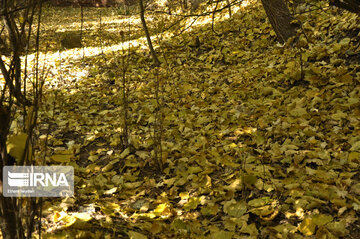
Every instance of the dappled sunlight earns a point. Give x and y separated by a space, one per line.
95 24
243 5
223 15
94 51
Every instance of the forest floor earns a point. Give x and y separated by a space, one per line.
259 139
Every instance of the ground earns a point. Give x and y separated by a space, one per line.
259 140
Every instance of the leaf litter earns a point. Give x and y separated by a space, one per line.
253 146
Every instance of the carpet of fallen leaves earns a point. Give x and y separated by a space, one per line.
260 140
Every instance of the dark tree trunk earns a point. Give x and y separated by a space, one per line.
13 219
280 19
350 5
10 225
146 30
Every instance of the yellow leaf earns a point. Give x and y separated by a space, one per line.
136 235
83 216
222 234
68 220
142 154
321 219
298 112
355 146
258 202
125 153
155 228
133 185
339 115
111 191
338 228
263 211
56 216
250 229
16 145
210 209
307 227
82 220
92 158
345 41
184 195
161 208
235 209
355 189
110 209
107 167
250 179
192 203
61 158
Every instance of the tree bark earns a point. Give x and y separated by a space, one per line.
350 5
13 219
146 30
10 223
280 19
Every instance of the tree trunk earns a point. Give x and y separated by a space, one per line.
14 215
10 226
152 51
10 223
350 5
280 19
